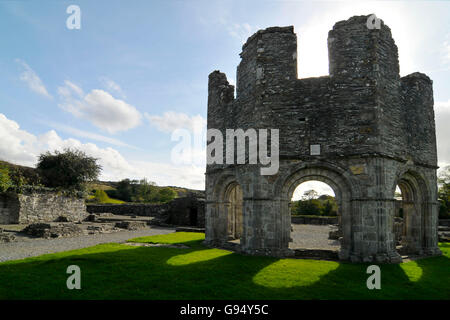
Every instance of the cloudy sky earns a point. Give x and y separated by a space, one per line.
137 70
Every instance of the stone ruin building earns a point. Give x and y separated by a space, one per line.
362 129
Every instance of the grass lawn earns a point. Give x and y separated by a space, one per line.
118 271
100 196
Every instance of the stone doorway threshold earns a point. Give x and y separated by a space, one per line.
316 254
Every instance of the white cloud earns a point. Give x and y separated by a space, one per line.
240 31
99 107
171 121
21 147
69 87
166 174
113 163
32 80
89 135
110 85
189 133
16 145
320 187
446 51
442 115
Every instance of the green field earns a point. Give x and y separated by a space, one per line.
100 196
119 271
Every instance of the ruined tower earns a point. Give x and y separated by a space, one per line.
363 130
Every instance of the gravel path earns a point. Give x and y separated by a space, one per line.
26 247
308 236
304 236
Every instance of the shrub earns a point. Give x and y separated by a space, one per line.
5 180
444 193
101 196
323 206
70 169
141 191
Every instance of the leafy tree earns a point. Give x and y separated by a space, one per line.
310 194
124 190
70 169
101 196
327 209
141 191
166 194
324 205
444 193
308 207
5 180
146 191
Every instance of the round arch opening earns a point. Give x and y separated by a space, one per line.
337 181
233 202
410 214
314 216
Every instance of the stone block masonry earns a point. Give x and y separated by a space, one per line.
40 207
362 129
185 211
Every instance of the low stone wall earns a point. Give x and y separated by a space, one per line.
314 220
146 210
186 211
40 207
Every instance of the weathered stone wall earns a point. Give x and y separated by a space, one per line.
361 108
375 130
40 207
148 210
314 220
186 211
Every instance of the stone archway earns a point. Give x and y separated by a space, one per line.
417 217
233 205
225 213
342 193
326 132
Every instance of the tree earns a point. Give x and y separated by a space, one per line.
70 169
327 209
310 194
124 190
444 193
166 194
308 207
146 191
5 180
141 191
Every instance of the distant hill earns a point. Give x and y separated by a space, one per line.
32 176
111 185
13 166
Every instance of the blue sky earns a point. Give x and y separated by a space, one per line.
136 70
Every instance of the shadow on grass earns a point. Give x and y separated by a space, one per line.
116 271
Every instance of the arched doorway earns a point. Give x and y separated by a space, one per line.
234 212
341 189
413 211
314 222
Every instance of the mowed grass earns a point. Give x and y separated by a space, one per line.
119 271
